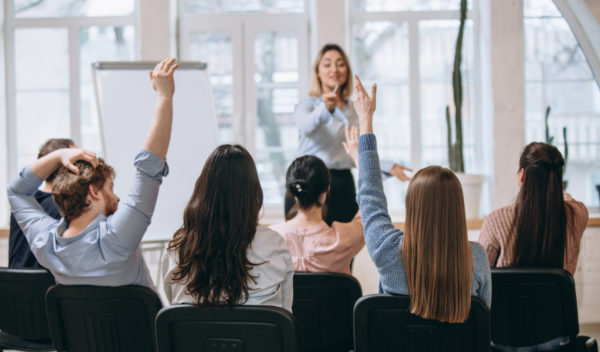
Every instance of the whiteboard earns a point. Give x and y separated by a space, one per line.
125 101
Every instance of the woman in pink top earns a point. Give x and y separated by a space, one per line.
314 245
544 227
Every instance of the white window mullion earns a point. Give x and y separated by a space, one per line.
11 127
414 95
239 84
250 107
74 84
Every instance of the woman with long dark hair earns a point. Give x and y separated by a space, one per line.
545 225
314 245
220 255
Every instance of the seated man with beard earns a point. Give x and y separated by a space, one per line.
96 243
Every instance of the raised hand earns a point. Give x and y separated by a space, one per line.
398 172
331 100
162 77
365 105
351 143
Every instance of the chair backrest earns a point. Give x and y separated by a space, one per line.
23 312
240 328
532 305
96 318
384 323
323 305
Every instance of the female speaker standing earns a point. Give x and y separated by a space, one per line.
321 119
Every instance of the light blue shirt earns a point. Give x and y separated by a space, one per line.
322 132
384 241
107 252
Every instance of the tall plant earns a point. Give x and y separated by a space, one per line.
550 139
455 148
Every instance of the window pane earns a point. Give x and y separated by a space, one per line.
437 48
276 78
216 6
69 8
380 54
42 89
558 75
216 49
99 44
405 5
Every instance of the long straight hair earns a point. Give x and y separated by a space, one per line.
219 224
540 218
435 248
316 86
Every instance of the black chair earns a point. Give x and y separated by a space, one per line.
533 305
97 319
384 323
323 305
226 328
23 323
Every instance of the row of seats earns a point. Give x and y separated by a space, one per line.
529 306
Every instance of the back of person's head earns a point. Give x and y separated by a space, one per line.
52 145
435 248
540 219
70 191
306 180
219 224
316 88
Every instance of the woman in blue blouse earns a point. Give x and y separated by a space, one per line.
321 119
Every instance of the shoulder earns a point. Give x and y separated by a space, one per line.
499 219
280 228
577 210
267 240
479 254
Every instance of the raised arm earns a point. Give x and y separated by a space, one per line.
159 134
381 237
29 214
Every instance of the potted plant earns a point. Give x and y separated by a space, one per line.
471 184
550 139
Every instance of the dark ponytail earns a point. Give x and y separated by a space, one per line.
540 218
306 179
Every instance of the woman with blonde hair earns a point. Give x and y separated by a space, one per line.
432 261
321 118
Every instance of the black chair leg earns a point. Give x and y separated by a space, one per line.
587 344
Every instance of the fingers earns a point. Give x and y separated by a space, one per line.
72 168
347 148
374 92
347 133
172 69
359 86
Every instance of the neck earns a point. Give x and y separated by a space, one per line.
77 225
308 217
47 187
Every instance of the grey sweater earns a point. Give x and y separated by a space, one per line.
384 240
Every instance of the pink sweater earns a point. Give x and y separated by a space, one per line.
321 248
498 236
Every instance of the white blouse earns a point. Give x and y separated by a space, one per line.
274 278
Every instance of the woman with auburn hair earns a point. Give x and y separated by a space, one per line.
314 245
321 118
432 261
544 227
220 255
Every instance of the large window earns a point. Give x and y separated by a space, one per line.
558 76
50 46
408 47
257 55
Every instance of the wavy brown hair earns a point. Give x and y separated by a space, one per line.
52 145
435 249
540 218
70 191
219 224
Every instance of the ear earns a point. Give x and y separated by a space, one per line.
94 192
323 197
521 176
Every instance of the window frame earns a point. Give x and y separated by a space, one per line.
73 25
242 27
412 19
